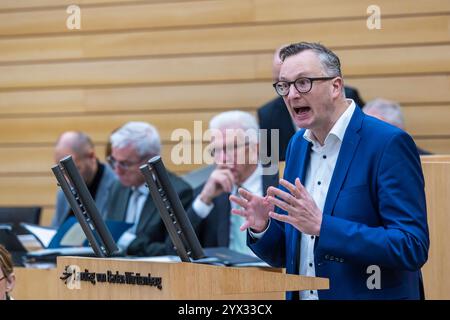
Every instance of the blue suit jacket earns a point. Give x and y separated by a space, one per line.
374 214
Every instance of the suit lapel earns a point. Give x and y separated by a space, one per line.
148 212
346 154
223 220
120 209
305 150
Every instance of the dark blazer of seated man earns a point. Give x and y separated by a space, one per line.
210 212
98 177
151 234
132 146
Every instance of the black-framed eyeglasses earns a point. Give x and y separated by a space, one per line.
302 84
125 165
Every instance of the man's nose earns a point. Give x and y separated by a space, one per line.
293 92
118 169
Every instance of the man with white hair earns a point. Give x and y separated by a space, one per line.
234 148
133 145
390 112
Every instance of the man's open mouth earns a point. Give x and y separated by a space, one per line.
301 110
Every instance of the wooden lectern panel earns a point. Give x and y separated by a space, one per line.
177 281
435 158
35 284
435 271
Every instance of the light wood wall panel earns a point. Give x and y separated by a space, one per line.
173 62
234 67
16 160
423 121
161 14
406 30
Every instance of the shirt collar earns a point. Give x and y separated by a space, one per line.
338 130
142 189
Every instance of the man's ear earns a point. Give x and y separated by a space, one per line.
10 282
338 86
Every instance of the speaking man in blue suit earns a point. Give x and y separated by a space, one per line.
351 207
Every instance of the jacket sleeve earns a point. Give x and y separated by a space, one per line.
401 241
272 246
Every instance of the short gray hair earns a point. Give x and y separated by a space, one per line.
329 60
141 135
235 119
389 110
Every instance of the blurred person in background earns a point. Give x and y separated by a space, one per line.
132 146
7 277
390 112
98 177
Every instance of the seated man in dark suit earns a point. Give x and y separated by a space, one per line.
237 164
390 112
98 176
275 115
132 146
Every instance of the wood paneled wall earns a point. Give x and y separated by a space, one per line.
173 62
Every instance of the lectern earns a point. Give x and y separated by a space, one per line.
117 278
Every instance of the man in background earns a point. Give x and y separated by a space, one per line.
234 148
97 176
133 145
390 112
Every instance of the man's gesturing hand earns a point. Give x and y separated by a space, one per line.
303 212
255 210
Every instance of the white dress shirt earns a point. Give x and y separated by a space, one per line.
134 210
317 181
238 239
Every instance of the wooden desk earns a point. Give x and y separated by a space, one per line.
35 284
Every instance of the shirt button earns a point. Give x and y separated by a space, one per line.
327 257
324 156
312 292
311 265
319 183
341 260
312 237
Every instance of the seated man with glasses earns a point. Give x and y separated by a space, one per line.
98 176
234 149
351 204
133 145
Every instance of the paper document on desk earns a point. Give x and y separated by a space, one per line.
43 234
